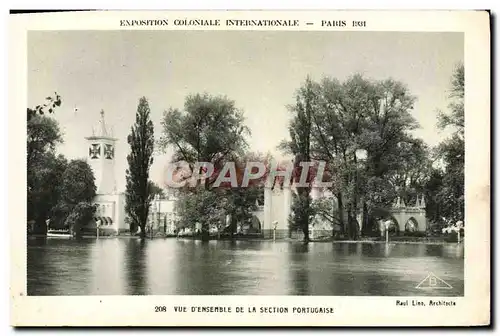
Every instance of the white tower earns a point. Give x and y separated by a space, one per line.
101 157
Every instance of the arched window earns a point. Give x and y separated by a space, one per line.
411 225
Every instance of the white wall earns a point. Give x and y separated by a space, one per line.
113 206
161 210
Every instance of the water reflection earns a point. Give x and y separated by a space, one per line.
58 267
135 266
299 269
108 267
455 250
187 267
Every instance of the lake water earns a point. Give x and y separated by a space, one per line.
186 267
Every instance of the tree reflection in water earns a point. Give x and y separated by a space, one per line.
299 269
135 252
188 267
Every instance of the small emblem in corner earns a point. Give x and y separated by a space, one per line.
433 281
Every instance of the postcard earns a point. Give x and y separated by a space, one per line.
250 168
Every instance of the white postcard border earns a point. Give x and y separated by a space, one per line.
472 309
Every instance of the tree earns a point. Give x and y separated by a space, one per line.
81 214
48 107
452 151
412 169
57 189
300 146
242 200
77 190
78 183
361 114
391 150
240 203
456 117
327 210
43 134
209 129
434 207
155 189
43 167
44 191
138 195
201 206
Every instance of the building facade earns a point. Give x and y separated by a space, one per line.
163 215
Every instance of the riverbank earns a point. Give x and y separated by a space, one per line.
362 240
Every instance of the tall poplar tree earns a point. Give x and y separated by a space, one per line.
300 146
140 159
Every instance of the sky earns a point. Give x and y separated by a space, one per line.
260 71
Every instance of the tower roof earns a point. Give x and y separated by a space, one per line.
102 126
102 131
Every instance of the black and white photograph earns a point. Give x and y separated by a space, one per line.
234 162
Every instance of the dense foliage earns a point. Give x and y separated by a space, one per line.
363 129
451 152
58 192
209 129
77 191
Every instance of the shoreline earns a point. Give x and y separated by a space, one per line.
423 241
